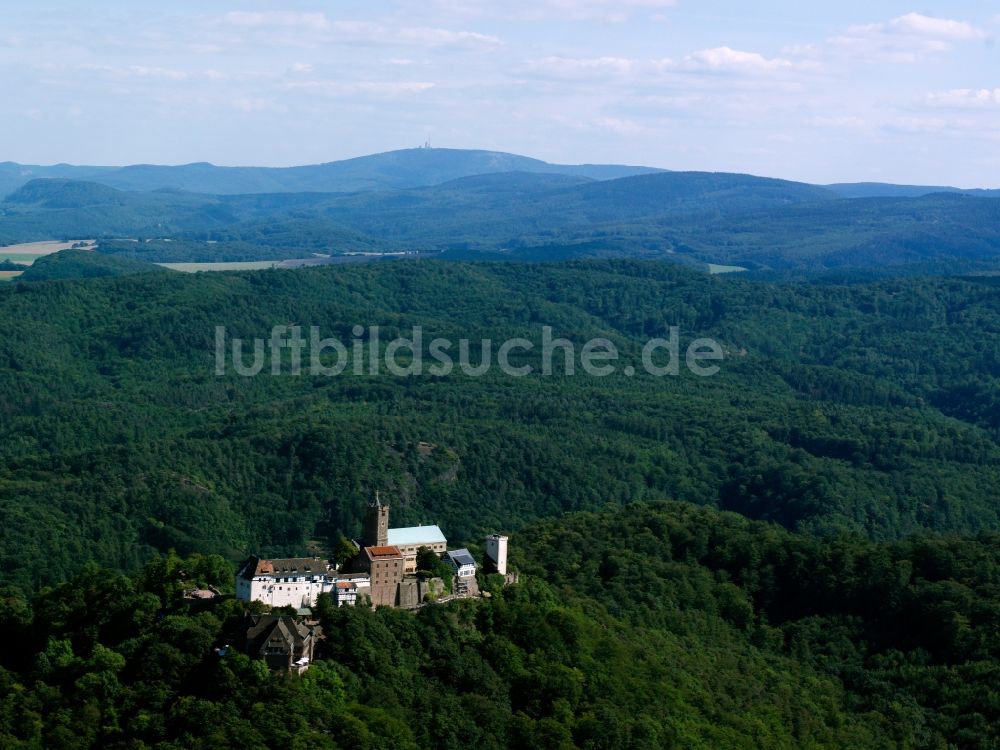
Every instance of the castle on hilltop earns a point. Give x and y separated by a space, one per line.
382 573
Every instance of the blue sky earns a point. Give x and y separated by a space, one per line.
823 92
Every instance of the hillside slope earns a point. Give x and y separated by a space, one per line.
85 264
870 409
651 627
692 218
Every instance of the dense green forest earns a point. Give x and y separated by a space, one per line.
689 218
850 601
84 264
653 626
869 408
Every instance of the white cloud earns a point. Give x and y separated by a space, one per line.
619 125
841 122
614 11
908 38
278 18
664 71
379 88
965 127
583 66
660 103
941 28
359 28
617 10
596 123
734 60
391 88
139 71
801 50
965 98
252 105
444 37
910 125
315 31
167 74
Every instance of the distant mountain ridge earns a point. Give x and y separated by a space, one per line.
392 170
887 190
694 218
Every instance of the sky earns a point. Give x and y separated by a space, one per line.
821 92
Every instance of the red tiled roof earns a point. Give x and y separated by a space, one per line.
383 552
292 566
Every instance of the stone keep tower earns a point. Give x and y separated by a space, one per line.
496 554
376 527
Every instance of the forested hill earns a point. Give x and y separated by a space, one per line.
651 627
884 190
85 264
407 168
690 218
867 408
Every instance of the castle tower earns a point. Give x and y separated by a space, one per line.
376 526
496 554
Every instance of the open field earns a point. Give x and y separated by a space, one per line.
9 275
43 248
714 268
256 265
259 265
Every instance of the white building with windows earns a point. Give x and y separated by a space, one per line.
496 554
295 582
465 571
462 561
350 587
411 538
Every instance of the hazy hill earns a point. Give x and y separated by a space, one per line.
479 205
703 190
13 176
688 217
54 193
682 216
58 208
394 169
283 225
885 190
501 207
406 168
940 231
